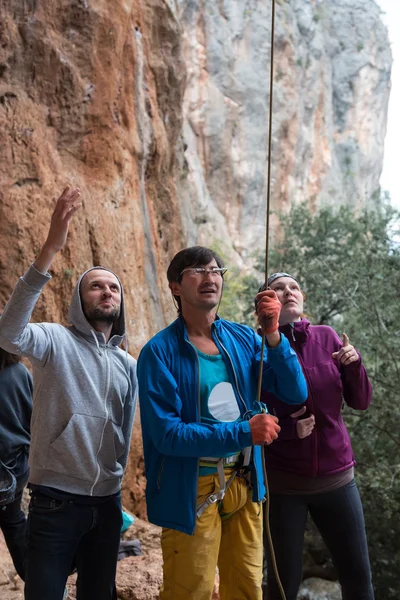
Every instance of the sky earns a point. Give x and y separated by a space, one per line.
390 180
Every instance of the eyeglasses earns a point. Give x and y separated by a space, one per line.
201 271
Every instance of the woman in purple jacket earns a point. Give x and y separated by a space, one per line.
311 464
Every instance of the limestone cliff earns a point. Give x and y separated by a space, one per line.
331 87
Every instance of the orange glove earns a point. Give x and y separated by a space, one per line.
268 310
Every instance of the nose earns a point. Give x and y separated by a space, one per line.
107 292
209 275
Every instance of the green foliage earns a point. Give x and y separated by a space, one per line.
237 303
348 264
238 298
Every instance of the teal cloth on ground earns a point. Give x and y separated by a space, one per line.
127 521
217 398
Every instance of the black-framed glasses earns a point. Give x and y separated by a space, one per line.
203 271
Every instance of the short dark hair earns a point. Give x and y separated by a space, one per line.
7 359
195 256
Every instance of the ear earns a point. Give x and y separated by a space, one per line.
175 288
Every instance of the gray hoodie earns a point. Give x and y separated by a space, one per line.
85 393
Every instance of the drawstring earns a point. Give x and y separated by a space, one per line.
126 352
131 402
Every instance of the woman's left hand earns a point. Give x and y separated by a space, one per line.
347 354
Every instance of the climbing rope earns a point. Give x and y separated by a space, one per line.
260 374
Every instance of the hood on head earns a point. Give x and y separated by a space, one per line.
77 317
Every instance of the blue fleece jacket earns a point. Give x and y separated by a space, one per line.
169 395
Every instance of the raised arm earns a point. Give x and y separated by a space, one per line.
66 206
282 374
16 334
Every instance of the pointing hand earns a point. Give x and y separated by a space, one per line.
347 354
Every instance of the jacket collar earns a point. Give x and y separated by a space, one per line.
298 331
181 326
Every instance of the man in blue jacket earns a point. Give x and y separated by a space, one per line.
198 389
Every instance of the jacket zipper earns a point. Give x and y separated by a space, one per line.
241 399
198 421
106 420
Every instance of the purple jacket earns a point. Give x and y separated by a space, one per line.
328 449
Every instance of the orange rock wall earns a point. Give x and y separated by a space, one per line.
90 93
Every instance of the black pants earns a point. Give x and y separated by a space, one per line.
13 526
339 517
61 532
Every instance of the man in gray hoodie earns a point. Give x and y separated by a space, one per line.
84 403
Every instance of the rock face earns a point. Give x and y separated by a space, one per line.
96 94
331 87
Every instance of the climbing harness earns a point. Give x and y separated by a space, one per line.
239 462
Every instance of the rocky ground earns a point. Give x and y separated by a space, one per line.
138 577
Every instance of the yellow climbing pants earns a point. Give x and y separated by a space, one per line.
228 535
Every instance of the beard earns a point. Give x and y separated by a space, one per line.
103 316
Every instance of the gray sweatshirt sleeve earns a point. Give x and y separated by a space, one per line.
17 335
129 414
